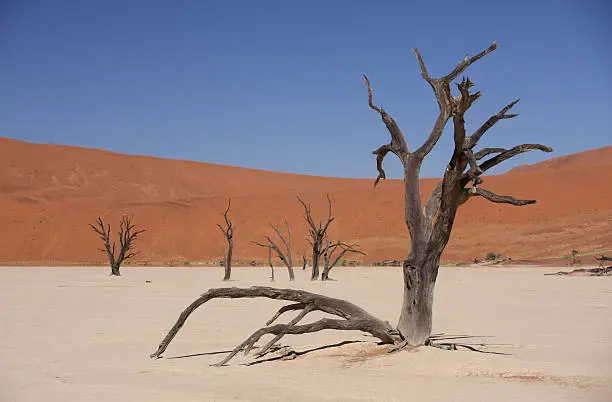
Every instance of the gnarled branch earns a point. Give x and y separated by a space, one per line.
499 199
398 143
441 87
352 317
496 160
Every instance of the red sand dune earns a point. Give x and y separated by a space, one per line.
49 194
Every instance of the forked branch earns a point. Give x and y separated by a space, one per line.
398 143
351 317
441 88
472 140
496 160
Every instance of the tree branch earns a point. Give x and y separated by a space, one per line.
352 316
465 63
499 199
472 140
398 143
496 160
441 87
487 151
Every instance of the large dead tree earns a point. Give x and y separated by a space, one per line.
284 256
330 258
429 225
317 234
127 237
228 231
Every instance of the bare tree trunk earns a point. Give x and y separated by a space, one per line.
271 265
415 322
304 262
115 270
316 255
228 232
291 273
228 259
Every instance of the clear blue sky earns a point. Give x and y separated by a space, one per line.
277 85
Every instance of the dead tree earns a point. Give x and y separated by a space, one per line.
285 256
127 236
304 262
429 225
317 234
330 259
602 260
228 232
575 260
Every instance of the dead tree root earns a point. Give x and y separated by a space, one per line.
353 318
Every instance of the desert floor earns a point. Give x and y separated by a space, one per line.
76 334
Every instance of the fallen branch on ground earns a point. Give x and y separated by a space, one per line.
353 318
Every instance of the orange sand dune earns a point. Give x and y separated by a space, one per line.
49 193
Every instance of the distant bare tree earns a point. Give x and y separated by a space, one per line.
603 259
317 234
285 256
228 232
127 236
574 257
330 259
270 263
304 261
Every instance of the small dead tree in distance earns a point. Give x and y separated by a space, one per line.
270 264
429 226
228 232
317 234
285 257
330 260
127 236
